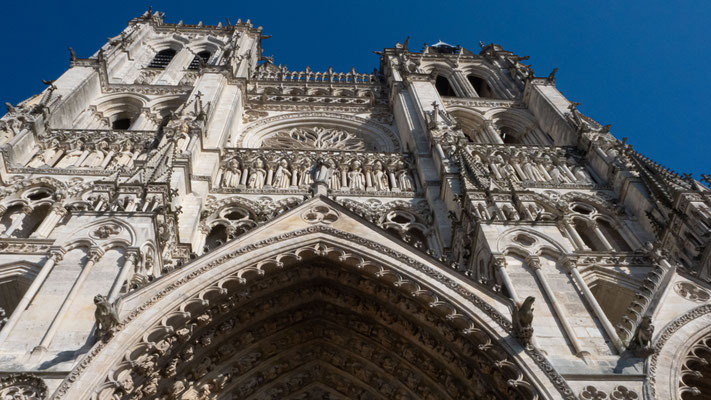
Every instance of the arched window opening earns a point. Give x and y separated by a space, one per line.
481 86
444 88
9 216
613 236
121 124
613 299
162 59
195 63
32 221
216 238
509 135
589 238
38 195
12 287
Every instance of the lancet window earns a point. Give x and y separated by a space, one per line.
195 63
162 59
481 87
24 216
595 232
444 87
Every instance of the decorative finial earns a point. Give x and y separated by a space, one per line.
72 54
551 76
706 179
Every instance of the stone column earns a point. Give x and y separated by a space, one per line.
368 172
131 259
55 255
56 213
570 263
466 86
393 181
270 175
596 229
203 231
573 234
500 265
493 133
534 263
93 256
244 177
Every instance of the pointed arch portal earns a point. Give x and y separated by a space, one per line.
313 312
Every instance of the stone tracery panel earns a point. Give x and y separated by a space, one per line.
22 387
317 138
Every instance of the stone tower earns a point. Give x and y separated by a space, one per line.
183 219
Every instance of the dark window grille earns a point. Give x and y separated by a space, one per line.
195 63
162 59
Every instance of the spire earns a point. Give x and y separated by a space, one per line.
158 166
662 183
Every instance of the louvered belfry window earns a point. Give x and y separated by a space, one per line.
195 63
162 59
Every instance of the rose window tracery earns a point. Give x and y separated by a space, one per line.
317 138
695 379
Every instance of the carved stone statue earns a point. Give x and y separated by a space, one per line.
282 176
334 182
105 314
380 178
356 179
404 181
258 173
522 321
323 172
232 174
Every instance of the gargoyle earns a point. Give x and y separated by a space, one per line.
105 314
522 321
641 345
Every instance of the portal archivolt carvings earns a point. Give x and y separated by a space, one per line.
329 282
263 340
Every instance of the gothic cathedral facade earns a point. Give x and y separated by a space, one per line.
182 219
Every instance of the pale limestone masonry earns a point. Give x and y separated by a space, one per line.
180 218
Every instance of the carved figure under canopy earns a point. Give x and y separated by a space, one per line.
257 175
380 177
232 174
334 181
405 182
356 179
282 176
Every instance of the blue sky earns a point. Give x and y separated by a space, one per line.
642 66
